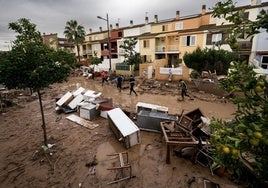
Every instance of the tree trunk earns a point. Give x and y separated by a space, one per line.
43 117
78 52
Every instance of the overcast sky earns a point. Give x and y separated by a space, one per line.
50 16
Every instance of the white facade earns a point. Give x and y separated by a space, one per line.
259 42
259 51
132 32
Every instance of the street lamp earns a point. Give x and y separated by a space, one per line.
109 46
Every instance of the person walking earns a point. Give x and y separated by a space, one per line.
184 88
169 75
119 82
103 77
132 83
144 74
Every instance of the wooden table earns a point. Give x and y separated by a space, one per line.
176 136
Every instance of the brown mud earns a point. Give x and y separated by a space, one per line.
78 156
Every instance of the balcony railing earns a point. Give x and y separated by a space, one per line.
169 48
245 45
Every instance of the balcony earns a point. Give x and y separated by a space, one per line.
245 45
160 49
167 49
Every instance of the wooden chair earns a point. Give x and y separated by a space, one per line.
123 165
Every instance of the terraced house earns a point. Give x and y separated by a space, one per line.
164 42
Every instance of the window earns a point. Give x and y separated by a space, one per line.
164 27
246 15
264 61
179 26
189 40
95 47
146 44
146 58
216 38
120 34
105 46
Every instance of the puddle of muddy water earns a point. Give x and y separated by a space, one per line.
105 161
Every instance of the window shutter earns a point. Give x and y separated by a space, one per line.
184 41
209 39
192 40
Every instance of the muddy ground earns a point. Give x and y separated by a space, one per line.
78 156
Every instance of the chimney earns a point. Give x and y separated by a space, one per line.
100 29
203 9
177 15
117 26
131 23
111 26
256 2
146 20
155 19
90 30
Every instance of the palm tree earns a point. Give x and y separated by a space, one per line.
75 33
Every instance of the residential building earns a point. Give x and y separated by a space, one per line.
255 50
53 41
170 39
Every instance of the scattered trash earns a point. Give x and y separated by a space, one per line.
50 145
211 184
123 165
191 180
58 119
92 163
44 148
92 171
86 123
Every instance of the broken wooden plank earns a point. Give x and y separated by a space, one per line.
81 121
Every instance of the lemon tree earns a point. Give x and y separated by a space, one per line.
248 132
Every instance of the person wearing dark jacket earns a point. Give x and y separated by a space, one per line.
119 82
184 88
132 83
